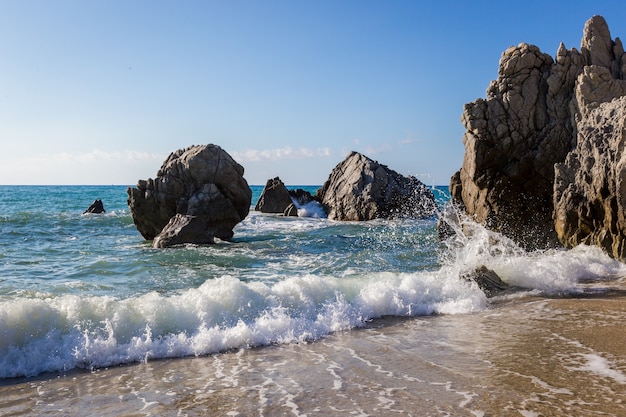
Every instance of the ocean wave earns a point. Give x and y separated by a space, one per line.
59 333
65 332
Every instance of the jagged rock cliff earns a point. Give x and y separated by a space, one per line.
539 113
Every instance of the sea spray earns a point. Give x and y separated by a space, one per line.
472 245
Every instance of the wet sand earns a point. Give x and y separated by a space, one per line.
526 357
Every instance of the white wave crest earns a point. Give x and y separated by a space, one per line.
57 334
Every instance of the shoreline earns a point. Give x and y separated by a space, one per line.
377 323
529 356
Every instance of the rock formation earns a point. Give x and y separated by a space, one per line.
204 184
275 198
536 113
359 188
96 207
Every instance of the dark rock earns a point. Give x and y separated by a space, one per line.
302 197
96 207
201 181
183 228
274 197
291 210
488 281
362 189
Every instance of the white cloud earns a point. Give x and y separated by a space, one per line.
280 154
382 148
95 155
92 167
123 156
386 147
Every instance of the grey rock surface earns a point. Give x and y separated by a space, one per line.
360 188
202 181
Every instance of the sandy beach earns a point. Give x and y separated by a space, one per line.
524 357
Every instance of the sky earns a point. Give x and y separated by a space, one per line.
100 92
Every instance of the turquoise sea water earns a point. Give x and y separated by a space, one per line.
86 291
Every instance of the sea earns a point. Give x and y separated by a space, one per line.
297 316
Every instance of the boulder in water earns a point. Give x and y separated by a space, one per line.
302 197
96 207
360 188
201 181
275 198
291 211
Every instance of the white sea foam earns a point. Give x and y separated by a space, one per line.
61 333
601 366
311 209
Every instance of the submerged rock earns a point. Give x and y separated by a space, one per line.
541 113
203 182
360 188
96 207
488 281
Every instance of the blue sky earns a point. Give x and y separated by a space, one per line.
100 92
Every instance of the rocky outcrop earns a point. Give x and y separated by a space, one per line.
96 207
202 182
590 185
359 189
275 198
531 120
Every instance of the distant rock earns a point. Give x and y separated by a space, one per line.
96 207
541 113
204 184
275 198
302 197
359 188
